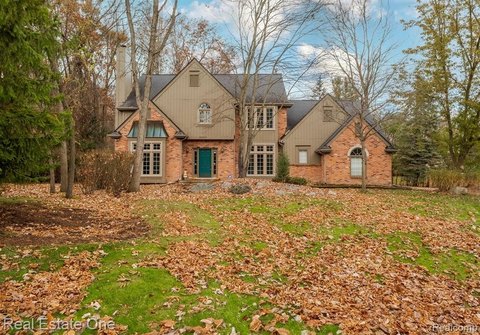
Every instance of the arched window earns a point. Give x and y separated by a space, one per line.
356 158
204 114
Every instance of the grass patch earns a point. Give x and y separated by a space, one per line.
259 204
197 217
409 248
299 228
17 201
464 208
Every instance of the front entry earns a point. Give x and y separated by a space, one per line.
205 163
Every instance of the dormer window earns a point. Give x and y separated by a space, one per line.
204 114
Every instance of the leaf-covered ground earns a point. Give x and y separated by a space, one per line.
282 259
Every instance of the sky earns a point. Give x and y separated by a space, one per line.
217 12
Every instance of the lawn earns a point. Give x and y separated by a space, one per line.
279 260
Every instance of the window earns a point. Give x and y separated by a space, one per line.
204 114
261 160
194 80
152 158
263 118
356 162
302 156
328 115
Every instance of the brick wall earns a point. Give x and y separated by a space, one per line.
225 156
282 121
337 163
173 163
313 173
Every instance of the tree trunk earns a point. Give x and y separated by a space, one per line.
52 175
71 162
63 166
364 166
138 158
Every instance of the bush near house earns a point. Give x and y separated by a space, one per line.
101 169
283 168
297 180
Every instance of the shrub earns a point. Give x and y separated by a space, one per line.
240 189
446 179
100 169
283 168
297 180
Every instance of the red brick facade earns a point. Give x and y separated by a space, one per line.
337 163
173 165
282 121
313 173
333 169
225 157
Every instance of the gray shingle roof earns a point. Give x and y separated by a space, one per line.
270 87
159 82
301 108
298 111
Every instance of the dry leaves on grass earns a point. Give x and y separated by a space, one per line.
354 282
49 292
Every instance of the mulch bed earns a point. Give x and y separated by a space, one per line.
37 224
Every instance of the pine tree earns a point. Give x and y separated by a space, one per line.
28 126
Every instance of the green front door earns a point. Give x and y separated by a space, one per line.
205 163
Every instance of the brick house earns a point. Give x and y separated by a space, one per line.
192 132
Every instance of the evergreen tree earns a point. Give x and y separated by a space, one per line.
28 127
416 136
319 90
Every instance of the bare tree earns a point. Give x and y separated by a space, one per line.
198 39
359 41
267 36
156 44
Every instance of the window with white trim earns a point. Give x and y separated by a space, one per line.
261 160
356 159
204 114
152 158
263 118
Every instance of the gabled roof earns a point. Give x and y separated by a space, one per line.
301 108
270 88
159 82
352 108
298 111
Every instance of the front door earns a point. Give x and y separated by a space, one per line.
205 163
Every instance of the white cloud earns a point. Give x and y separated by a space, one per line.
214 11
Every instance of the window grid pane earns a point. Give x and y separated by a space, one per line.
214 152
146 163
251 165
269 164
260 164
260 118
195 162
269 118
156 163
